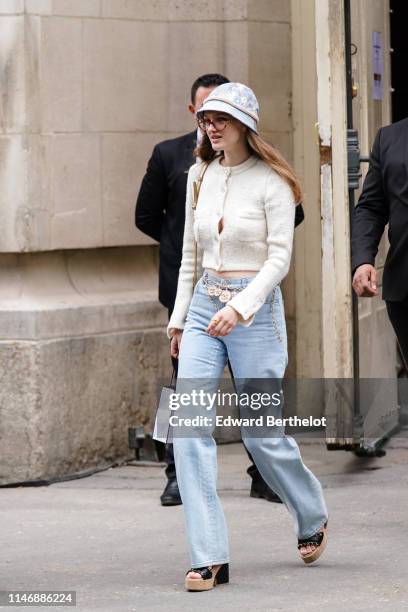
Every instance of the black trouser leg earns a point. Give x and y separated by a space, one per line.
398 314
171 493
170 470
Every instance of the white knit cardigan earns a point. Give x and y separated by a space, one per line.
258 209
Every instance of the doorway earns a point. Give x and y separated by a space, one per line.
399 44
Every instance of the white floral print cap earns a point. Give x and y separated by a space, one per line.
235 99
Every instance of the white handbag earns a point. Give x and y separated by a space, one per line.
162 429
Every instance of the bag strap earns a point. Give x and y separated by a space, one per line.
196 192
197 185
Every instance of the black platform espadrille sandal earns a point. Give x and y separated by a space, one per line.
210 577
319 540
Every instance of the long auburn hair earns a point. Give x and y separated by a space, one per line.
265 151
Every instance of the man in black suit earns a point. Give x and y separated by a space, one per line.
384 199
160 213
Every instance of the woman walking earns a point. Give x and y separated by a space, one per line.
244 194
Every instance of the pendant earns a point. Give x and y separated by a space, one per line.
211 291
217 291
225 296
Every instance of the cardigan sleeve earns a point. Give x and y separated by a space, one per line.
186 272
280 218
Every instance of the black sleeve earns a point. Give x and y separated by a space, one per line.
152 199
299 214
370 216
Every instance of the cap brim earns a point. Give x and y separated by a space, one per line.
218 105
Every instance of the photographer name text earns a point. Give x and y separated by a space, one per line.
259 421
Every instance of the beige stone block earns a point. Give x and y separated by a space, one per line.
61 74
25 194
65 293
224 10
39 191
184 66
124 162
82 354
33 60
53 74
235 10
125 80
281 140
72 8
188 10
13 210
9 284
145 10
76 215
270 73
38 7
175 10
78 8
118 278
8 7
66 404
236 51
12 95
268 10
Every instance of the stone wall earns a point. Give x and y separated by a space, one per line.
91 87
87 88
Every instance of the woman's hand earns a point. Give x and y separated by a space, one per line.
223 322
175 343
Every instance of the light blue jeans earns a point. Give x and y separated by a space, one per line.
258 351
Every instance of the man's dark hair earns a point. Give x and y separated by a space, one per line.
207 80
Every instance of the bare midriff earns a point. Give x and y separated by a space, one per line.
231 273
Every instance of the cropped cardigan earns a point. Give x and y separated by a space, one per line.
258 209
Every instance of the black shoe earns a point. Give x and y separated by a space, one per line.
259 488
265 493
318 540
208 579
171 494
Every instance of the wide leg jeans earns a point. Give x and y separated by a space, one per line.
255 352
